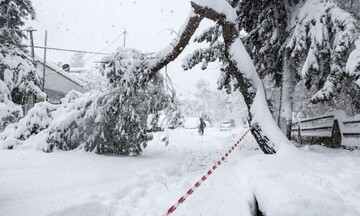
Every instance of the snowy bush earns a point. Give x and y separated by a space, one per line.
9 112
37 119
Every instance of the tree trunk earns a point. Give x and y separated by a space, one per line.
240 67
287 96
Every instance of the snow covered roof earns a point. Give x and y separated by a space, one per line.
60 71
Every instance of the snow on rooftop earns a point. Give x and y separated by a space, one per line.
59 70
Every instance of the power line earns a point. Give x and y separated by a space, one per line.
65 50
113 41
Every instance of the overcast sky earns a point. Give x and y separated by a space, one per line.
91 25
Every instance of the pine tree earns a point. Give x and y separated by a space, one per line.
114 119
237 72
110 122
18 75
12 16
282 36
265 24
322 41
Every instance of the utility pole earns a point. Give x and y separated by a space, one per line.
125 32
30 31
43 84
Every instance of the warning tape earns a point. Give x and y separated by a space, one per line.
208 173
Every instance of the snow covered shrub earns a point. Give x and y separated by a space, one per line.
37 119
73 122
9 112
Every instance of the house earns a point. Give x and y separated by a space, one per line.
58 82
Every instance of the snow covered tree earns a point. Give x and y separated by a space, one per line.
109 122
18 75
265 24
237 65
325 37
352 6
282 36
77 60
114 122
12 15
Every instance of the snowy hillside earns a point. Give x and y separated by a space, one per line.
313 181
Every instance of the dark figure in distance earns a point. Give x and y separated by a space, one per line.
201 126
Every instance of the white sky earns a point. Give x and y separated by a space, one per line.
90 25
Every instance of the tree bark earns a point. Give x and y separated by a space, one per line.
287 96
248 81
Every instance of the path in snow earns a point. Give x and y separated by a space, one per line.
312 181
77 183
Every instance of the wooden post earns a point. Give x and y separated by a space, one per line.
43 84
32 43
336 135
125 32
299 134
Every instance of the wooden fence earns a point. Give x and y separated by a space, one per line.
330 130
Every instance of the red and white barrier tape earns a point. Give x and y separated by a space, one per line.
208 173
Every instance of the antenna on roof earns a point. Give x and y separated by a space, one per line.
125 32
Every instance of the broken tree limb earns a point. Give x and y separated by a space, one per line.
240 68
169 55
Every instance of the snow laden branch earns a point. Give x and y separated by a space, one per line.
328 35
204 56
209 35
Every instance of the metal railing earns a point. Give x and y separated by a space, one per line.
327 130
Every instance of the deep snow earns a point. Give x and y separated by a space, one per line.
311 181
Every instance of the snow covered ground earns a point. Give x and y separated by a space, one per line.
312 181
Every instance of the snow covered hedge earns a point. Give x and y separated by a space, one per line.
109 122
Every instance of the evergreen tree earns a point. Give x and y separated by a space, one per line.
265 24
116 122
226 47
109 122
12 16
117 114
323 41
18 75
282 36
